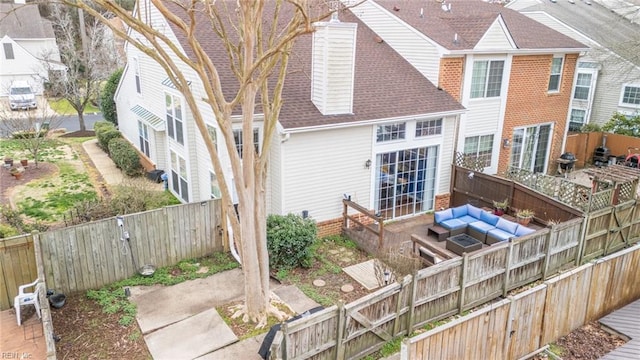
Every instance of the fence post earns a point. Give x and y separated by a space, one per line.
507 269
340 335
405 349
463 270
345 218
583 239
412 302
547 253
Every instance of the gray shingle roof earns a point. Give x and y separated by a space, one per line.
23 22
386 85
470 19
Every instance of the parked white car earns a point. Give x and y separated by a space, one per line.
21 96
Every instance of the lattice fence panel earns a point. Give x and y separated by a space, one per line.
469 162
574 195
547 185
601 200
626 191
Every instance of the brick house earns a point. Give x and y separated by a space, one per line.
514 75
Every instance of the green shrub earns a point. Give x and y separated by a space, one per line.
125 156
107 105
7 231
289 240
31 134
105 132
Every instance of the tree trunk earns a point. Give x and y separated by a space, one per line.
83 127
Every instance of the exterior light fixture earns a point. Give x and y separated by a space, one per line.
506 143
387 277
367 164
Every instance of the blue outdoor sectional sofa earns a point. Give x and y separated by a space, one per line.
481 224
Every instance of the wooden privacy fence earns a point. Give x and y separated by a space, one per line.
583 145
610 229
17 267
522 323
448 288
92 255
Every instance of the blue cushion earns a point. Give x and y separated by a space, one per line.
467 219
522 230
481 226
506 225
453 224
489 218
500 234
474 211
459 211
443 215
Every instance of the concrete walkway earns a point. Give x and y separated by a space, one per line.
103 163
181 322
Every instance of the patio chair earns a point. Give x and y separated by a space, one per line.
27 298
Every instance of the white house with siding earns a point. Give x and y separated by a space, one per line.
608 74
474 49
29 47
357 119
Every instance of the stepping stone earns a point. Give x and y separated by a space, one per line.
333 251
346 259
347 288
319 282
203 270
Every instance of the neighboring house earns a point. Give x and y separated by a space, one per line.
372 126
608 74
514 75
29 48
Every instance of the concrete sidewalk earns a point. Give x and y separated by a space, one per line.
181 322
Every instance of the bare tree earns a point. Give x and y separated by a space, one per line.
29 128
257 36
89 55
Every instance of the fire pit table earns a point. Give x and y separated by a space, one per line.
463 243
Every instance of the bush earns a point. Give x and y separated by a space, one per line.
30 134
125 156
289 240
107 105
623 125
105 132
7 231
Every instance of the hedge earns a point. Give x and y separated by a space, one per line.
105 132
125 156
289 240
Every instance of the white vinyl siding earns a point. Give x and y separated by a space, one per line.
317 175
495 38
411 44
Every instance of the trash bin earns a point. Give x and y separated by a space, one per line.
155 175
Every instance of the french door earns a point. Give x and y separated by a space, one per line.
530 148
406 181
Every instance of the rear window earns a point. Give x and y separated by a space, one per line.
20 91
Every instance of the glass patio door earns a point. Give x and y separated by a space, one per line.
406 181
531 147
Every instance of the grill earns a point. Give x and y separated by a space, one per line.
601 154
567 160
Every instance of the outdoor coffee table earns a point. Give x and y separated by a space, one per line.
463 243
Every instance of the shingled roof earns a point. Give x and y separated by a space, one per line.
386 85
470 20
24 22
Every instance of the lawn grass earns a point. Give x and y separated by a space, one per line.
62 107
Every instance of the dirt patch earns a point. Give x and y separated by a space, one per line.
86 332
10 185
589 342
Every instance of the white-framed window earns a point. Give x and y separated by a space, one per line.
214 135
428 127
391 132
630 96
174 117
479 148
143 137
179 176
530 147
237 136
556 74
215 186
8 51
136 70
486 79
577 119
583 86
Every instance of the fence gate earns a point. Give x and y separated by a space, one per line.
620 234
374 320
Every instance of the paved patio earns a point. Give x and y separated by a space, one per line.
21 342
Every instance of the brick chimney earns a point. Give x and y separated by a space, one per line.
333 66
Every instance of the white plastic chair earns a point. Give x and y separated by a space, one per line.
27 298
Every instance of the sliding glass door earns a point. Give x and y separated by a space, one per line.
530 148
406 181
